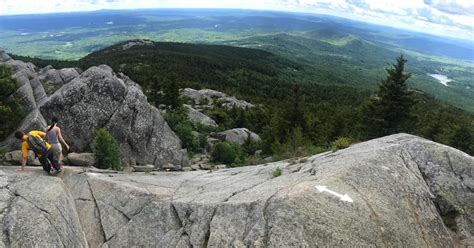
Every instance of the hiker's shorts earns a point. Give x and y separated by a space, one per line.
57 151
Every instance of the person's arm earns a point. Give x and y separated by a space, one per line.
60 136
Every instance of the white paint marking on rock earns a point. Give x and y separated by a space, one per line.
344 197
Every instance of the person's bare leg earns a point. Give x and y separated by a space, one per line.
23 164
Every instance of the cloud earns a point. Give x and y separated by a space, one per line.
458 7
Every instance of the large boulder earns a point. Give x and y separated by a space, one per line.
14 158
81 159
4 57
198 117
237 135
100 98
53 79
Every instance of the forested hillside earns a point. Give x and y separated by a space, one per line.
297 115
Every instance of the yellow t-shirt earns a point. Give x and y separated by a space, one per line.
25 147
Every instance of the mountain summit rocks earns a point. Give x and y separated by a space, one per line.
96 98
402 190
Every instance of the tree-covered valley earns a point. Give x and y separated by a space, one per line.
333 50
297 113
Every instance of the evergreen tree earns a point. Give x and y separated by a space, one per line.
106 151
11 112
296 111
463 138
171 94
241 118
389 112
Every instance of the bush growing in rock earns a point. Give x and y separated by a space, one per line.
277 172
228 153
341 143
106 151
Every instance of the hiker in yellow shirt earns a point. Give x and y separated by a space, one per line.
34 141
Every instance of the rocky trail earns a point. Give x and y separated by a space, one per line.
400 187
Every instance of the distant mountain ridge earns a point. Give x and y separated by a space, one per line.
246 22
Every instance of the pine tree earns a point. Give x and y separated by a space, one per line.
11 112
171 94
389 112
296 111
106 151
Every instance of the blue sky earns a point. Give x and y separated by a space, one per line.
441 17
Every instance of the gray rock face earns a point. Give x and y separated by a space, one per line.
98 98
85 104
377 193
237 135
198 117
30 93
212 97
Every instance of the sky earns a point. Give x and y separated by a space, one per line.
453 18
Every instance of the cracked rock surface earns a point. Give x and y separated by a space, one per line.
401 187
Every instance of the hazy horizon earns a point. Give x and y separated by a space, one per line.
441 18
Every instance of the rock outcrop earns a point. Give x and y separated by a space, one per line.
136 43
389 192
97 98
210 98
236 135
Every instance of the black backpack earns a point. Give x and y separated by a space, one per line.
36 144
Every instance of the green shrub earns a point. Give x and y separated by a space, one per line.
277 172
227 153
341 143
185 132
178 120
106 151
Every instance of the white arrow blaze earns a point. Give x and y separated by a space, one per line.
344 197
